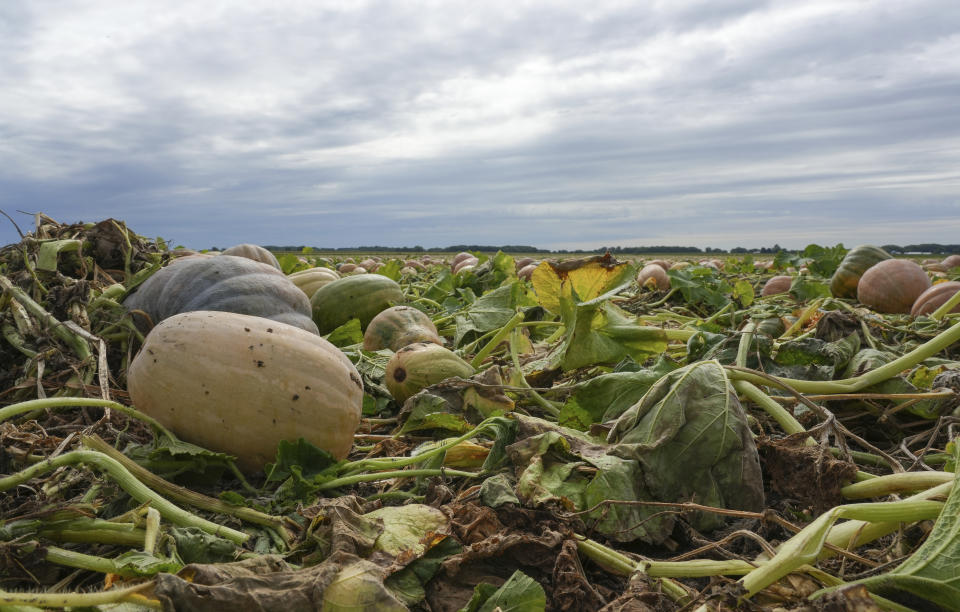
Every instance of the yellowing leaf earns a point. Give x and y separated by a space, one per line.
578 280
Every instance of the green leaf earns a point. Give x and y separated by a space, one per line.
689 435
197 546
301 458
602 333
391 269
700 286
607 396
805 288
348 334
409 583
291 263
743 292
519 593
140 563
823 261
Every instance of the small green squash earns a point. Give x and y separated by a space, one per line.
858 260
417 366
240 384
398 326
363 296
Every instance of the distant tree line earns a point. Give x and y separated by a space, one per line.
931 248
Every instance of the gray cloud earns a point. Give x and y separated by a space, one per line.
701 123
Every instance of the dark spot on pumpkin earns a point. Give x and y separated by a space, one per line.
154 360
274 421
259 363
150 351
269 330
250 347
356 380
246 329
206 392
307 387
399 375
295 397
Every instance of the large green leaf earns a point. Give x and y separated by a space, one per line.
602 333
690 436
520 593
607 396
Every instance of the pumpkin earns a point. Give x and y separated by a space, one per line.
663 263
460 257
654 276
858 260
892 286
935 297
346 268
362 296
526 272
240 384
417 366
254 252
951 262
468 262
523 262
226 283
776 284
314 278
398 326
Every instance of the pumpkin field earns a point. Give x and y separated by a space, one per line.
249 430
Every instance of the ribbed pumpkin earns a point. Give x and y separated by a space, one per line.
654 276
935 297
950 262
225 283
240 384
417 366
858 260
526 272
460 257
892 286
398 326
363 297
467 263
314 278
777 284
254 252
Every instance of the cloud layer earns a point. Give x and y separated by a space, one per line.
705 123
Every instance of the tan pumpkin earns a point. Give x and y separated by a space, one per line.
314 278
254 252
892 286
526 272
950 262
240 384
466 263
654 276
935 297
777 284
460 257
663 263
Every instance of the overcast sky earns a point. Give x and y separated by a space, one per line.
555 124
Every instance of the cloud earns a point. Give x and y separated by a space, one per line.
707 123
